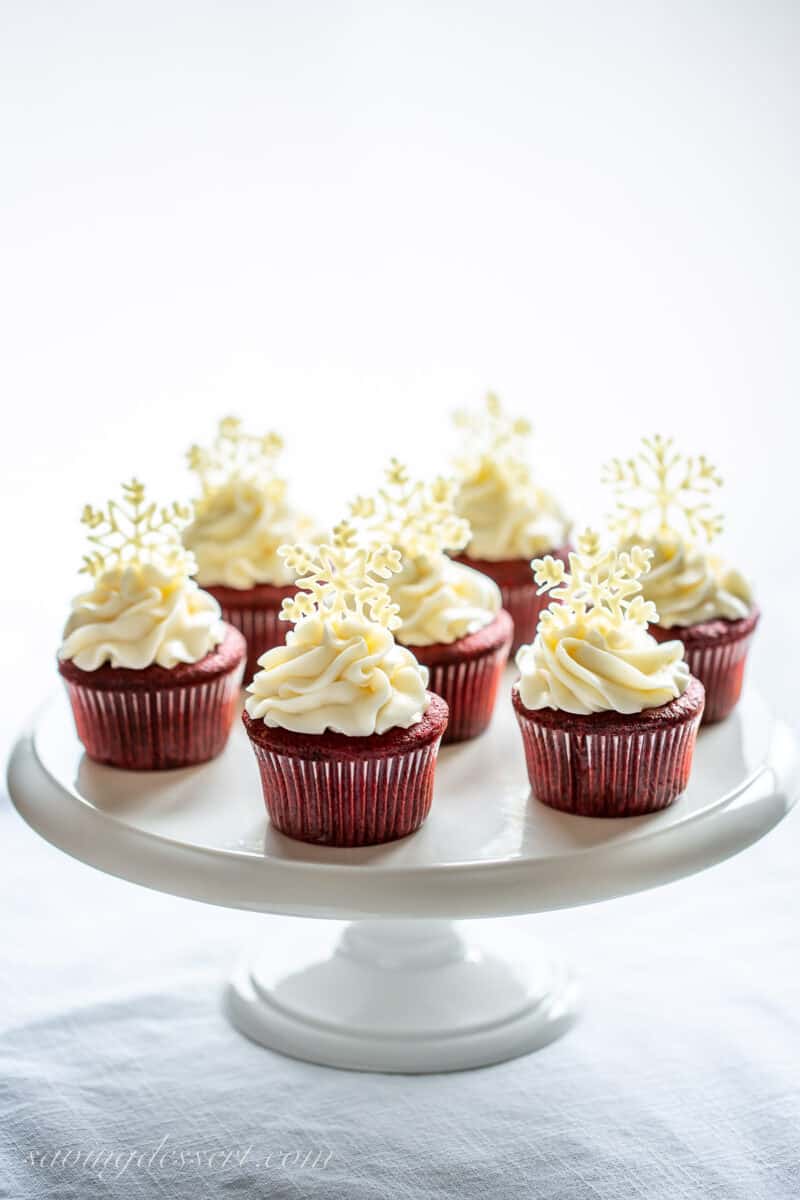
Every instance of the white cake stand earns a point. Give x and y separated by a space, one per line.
403 988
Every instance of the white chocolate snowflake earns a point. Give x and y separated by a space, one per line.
492 429
494 447
237 456
341 578
135 531
659 492
414 517
602 587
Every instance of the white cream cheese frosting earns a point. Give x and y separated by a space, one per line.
338 673
440 601
141 614
236 531
508 515
664 500
580 671
689 586
592 652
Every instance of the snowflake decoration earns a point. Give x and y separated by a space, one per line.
342 579
414 517
494 445
602 587
135 531
492 428
236 456
660 492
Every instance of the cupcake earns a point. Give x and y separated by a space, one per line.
663 503
511 517
151 669
343 729
608 715
240 519
449 614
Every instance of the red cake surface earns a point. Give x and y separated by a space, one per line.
318 746
611 764
511 572
474 645
467 674
684 708
219 661
719 630
506 572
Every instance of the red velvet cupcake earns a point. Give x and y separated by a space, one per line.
158 717
663 501
240 519
342 727
716 652
611 764
608 715
334 790
448 615
151 670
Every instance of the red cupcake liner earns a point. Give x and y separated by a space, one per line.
334 790
467 675
515 579
158 718
611 764
255 613
716 652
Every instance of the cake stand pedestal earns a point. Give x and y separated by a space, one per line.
404 996
416 982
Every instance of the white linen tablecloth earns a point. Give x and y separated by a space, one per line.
119 1076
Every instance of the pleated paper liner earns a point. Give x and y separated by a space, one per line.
334 790
158 717
611 764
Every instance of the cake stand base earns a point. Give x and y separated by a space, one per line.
403 996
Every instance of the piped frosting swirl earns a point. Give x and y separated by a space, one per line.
242 514
689 586
236 532
340 668
510 516
664 501
592 652
143 608
141 615
438 601
342 675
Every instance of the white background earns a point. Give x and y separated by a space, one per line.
344 220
